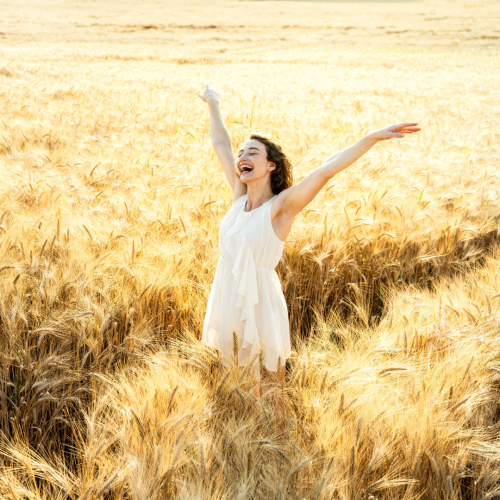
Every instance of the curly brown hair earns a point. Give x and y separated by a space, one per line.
281 176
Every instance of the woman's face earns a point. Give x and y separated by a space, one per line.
252 162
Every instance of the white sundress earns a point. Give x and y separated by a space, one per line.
246 295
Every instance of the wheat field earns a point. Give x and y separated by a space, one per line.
110 203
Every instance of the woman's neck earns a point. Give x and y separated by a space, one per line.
257 197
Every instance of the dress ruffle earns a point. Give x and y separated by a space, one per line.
245 274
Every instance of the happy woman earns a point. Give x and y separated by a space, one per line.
246 295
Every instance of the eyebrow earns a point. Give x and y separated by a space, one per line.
248 148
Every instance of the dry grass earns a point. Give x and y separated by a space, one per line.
392 413
110 204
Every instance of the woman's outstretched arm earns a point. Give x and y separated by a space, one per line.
221 142
291 201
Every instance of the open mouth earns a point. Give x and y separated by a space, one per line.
245 169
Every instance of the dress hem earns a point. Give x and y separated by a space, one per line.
214 343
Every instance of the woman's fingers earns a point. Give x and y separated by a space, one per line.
413 124
206 92
408 131
209 90
405 126
413 129
398 130
209 94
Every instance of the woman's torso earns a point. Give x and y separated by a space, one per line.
256 227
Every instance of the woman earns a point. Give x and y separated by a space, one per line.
246 296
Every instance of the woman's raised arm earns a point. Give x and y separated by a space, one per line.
221 142
291 201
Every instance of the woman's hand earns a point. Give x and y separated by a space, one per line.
210 95
395 131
